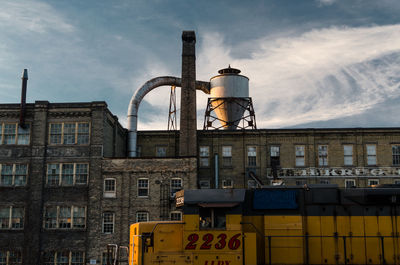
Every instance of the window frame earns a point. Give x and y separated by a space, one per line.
175 212
252 159
8 252
112 193
373 180
298 155
368 155
350 180
60 175
141 188
76 133
11 217
396 156
108 223
323 157
14 174
204 157
224 184
70 255
226 155
346 162
173 189
58 217
16 133
142 212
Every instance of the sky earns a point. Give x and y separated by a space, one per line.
311 63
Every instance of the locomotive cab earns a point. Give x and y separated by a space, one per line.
211 233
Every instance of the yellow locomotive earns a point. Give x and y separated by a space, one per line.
276 225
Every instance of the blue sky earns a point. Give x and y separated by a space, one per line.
311 63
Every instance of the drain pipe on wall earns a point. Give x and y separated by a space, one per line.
216 170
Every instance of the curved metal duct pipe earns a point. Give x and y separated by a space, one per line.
139 95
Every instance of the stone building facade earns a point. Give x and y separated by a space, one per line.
353 157
50 173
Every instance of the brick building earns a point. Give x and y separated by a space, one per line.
352 157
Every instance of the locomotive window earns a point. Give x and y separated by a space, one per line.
212 218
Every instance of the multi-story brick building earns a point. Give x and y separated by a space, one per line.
352 157
64 195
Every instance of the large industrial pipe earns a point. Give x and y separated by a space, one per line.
139 95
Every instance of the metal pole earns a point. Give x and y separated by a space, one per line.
383 250
269 250
344 248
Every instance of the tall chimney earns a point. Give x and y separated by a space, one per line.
23 98
188 123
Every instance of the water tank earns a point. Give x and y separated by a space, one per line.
229 92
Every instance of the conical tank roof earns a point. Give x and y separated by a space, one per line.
230 92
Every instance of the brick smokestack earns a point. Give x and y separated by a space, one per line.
188 122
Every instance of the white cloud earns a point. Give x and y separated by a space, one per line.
325 2
31 16
322 74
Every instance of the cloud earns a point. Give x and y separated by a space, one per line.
325 2
31 16
320 75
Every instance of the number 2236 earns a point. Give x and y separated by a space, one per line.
221 241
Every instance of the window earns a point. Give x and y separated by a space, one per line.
64 217
69 133
204 156
108 222
274 154
161 151
226 156
109 188
372 182
227 184
142 217
251 156
176 185
67 174
12 133
104 258
11 217
371 154
397 181
176 216
204 184
251 184
349 183
13 174
322 155
299 152
212 218
10 257
143 187
64 258
348 155
324 181
275 160
396 155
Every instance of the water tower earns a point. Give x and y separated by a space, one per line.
230 102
